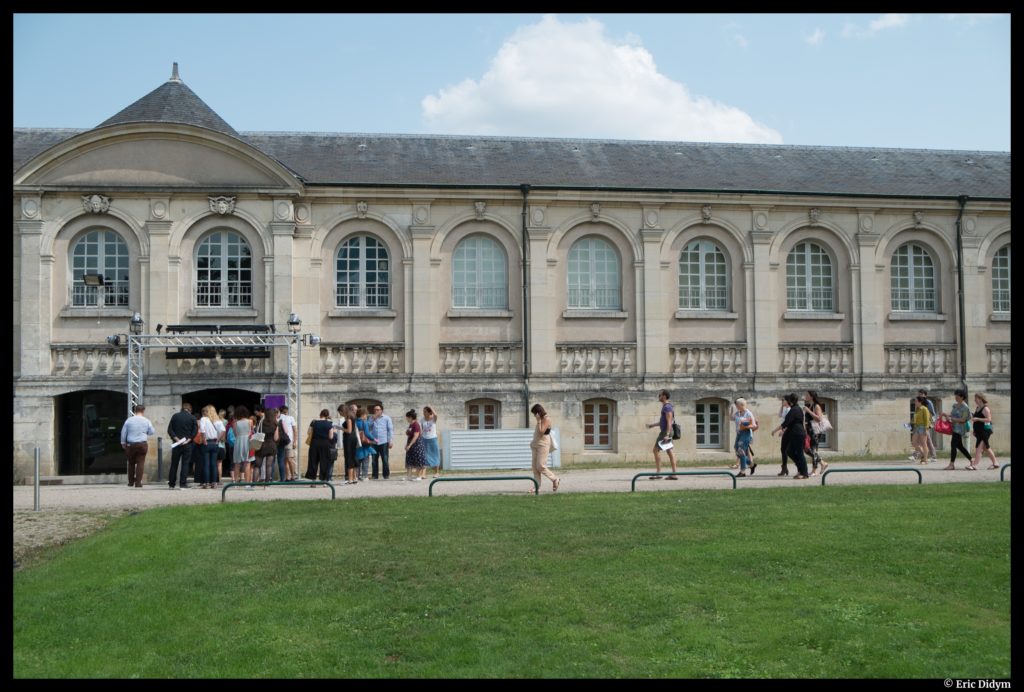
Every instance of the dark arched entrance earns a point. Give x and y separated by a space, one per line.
221 399
88 432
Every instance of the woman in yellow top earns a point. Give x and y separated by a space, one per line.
922 424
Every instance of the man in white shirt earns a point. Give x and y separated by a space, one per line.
135 435
286 454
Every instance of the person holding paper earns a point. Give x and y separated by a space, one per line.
181 429
664 424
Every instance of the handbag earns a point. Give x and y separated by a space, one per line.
554 442
943 426
807 443
821 426
199 439
676 431
282 437
309 435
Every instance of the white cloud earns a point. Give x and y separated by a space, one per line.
815 38
555 79
886 21
970 19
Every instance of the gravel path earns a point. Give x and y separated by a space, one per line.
73 511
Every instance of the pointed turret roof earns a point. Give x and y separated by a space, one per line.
172 102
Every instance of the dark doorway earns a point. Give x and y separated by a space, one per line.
221 399
89 432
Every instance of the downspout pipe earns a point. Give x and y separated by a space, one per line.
525 190
962 200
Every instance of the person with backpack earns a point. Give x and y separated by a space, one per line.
666 428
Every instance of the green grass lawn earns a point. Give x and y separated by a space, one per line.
850 582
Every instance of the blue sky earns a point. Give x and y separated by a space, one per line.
933 81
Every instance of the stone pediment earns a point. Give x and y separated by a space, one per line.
156 156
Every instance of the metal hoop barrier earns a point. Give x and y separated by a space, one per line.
920 479
536 486
292 484
685 473
1003 471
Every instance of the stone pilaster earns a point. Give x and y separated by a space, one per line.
35 300
870 307
654 312
543 308
762 308
283 299
422 300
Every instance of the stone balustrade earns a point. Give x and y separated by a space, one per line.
596 358
362 359
816 358
500 358
78 360
998 359
709 359
216 366
914 359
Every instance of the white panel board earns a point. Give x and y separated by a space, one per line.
492 449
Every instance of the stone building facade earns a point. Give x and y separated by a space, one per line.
479 275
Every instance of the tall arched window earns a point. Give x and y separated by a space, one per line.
479 274
912 279
703 277
594 275
362 274
224 271
1001 280
809 283
99 253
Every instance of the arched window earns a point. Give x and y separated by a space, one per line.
483 414
913 279
703 277
709 424
479 274
99 253
809 283
598 424
224 271
593 275
1001 280
362 274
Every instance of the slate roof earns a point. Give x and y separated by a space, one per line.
582 164
171 102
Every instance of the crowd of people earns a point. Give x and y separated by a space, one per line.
253 447
259 447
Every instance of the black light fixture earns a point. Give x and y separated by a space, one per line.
159 327
114 340
294 323
92 279
136 323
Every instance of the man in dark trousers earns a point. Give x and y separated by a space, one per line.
183 426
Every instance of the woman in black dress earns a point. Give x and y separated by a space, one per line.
793 435
348 444
320 447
